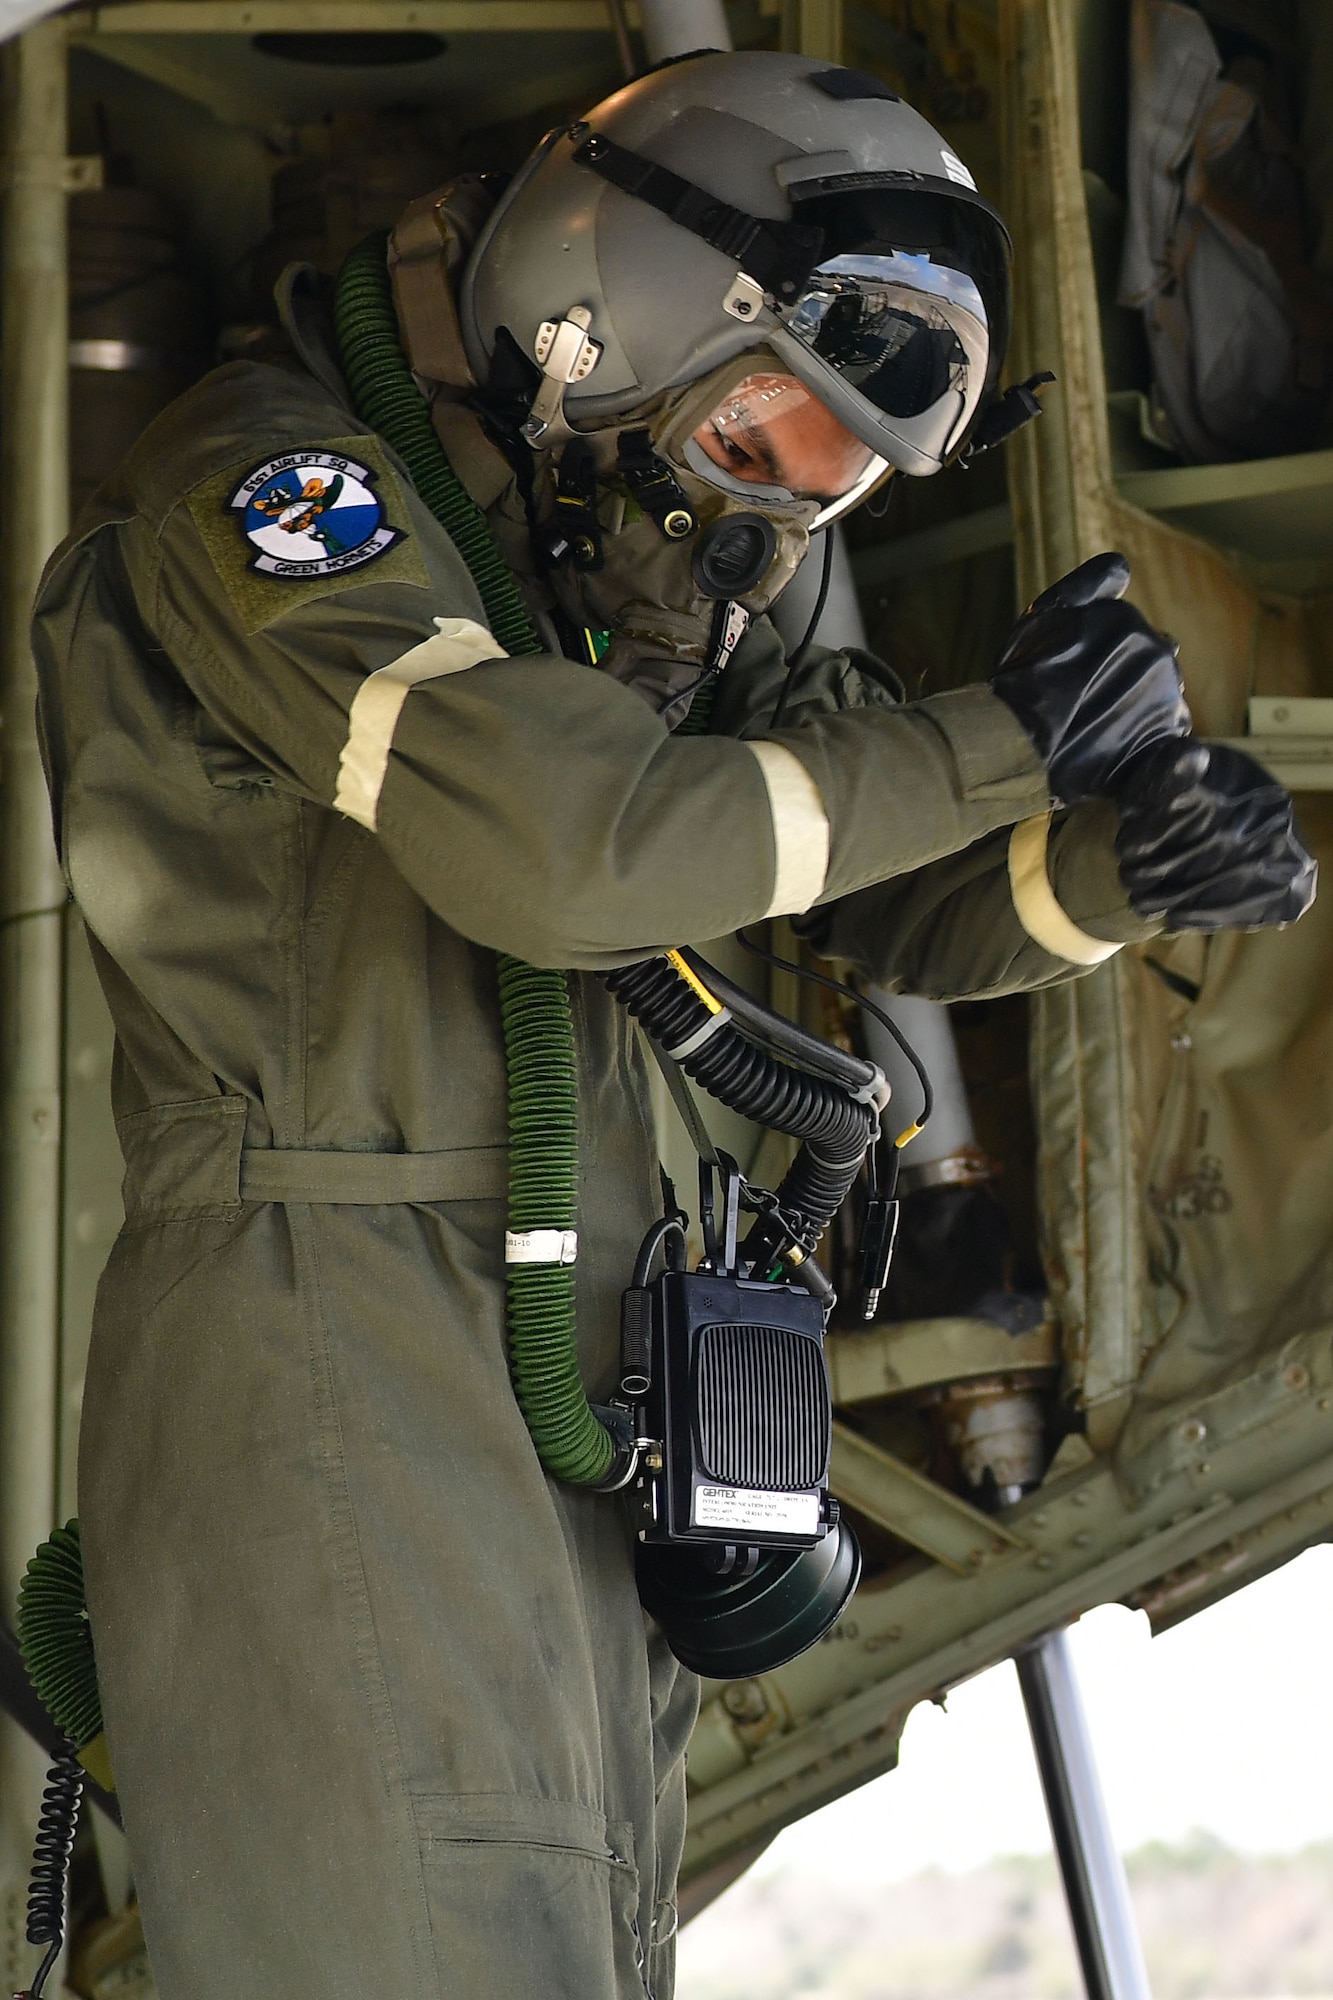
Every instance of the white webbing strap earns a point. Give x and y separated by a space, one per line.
373 717
1034 899
800 830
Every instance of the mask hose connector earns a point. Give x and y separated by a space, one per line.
734 555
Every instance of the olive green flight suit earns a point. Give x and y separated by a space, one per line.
384 1710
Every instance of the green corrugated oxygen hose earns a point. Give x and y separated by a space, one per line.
534 1003
57 1647
700 716
543 1194
386 397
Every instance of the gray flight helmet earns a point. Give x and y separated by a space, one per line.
699 212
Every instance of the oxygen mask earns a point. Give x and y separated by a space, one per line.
671 533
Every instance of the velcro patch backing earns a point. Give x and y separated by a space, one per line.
305 524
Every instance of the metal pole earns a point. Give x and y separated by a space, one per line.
620 32
819 29
34 506
677 27
1100 1913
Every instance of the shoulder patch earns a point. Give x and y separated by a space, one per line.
306 523
311 513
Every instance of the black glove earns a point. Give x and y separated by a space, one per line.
1090 681
1206 841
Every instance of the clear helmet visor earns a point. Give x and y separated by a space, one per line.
903 343
772 438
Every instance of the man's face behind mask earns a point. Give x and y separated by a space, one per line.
765 446
770 433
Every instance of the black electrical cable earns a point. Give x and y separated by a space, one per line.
850 993
797 659
666 1226
19 1699
48 1894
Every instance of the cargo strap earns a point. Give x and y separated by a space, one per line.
465 1173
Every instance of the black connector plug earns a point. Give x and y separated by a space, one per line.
879 1229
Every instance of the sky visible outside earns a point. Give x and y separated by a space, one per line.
1225 1723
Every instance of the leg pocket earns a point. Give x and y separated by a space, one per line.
530 1896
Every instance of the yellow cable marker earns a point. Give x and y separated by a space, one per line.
693 981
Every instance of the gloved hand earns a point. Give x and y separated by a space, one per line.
1206 840
1090 681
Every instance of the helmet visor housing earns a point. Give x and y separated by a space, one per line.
902 332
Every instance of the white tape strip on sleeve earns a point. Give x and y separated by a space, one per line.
1034 899
373 717
800 830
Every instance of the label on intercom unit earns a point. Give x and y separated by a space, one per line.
748 1510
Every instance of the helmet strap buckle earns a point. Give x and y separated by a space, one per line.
575 534
566 354
654 485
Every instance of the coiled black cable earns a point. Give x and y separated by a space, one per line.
744 1077
836 1130
49 1885
808 1197
868 1006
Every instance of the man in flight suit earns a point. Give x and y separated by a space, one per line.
385 1713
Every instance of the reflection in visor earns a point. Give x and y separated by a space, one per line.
904 332
771 432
